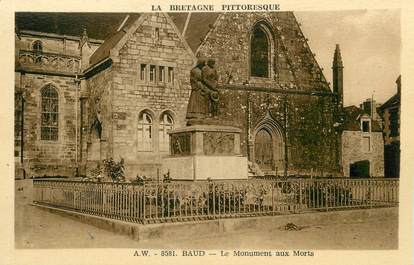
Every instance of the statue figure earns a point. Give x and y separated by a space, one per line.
210 79
204 97
198 104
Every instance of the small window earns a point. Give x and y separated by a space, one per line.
170 75
161 74
143 71
144 132
365 126
153 73
37 46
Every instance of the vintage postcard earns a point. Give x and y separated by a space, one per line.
213 132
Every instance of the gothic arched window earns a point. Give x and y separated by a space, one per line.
259 52
144 131
50 113
37 46
166 125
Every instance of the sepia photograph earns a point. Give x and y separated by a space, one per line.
222 133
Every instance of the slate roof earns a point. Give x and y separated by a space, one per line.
99 25
103 51
352 122
198 27
393 101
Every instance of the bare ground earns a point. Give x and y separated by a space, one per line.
37 228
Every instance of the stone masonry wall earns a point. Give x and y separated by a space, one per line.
352 151
99 102
131 95
307 119
49 157
292 62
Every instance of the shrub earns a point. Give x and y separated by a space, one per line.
115 170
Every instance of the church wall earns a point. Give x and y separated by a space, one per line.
57 45
310 139
98 104
131 95
293 64
43 157
311 145
51 45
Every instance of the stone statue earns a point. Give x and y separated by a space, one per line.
204 97
210 79
198 104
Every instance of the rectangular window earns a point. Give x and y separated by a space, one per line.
366 144
170 75
143 72
365 126
393 122
161 74
153 73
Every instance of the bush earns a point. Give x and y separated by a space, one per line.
327 195
115 170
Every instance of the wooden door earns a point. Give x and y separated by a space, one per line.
263 150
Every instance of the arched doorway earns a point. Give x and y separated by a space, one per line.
263 149
268 149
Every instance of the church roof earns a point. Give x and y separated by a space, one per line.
198 26
103 26
98 25
352 121
103 51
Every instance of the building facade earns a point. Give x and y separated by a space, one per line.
391 113
117 89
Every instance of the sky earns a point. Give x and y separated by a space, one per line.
370 43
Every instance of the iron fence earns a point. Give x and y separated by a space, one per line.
162 202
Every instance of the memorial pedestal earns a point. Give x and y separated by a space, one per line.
201 152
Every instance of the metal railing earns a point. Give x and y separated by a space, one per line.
162 202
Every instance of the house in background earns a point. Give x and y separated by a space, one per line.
391 113
362 145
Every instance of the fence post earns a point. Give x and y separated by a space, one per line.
273 199
326 197
143 204
370 193
214 199
300 195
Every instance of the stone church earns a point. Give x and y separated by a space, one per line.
115 85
